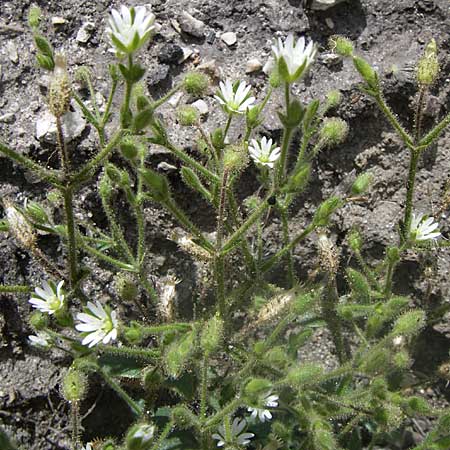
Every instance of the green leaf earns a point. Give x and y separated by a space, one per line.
43 45
5 442
120 366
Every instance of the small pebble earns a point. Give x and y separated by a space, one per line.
170 54
13 55
229 38
201 107
322 5
8 118
330 23
253 65
85 32
187 53
166 167
56 20
190 25
174 101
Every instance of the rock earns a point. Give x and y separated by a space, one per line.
8 118
329 22
56 20
85 32
166 167
191 25
158 75
253 65
73 125
229 38
187 53
322 5
210 68
330 59
201 106
174 101
170 54
11 49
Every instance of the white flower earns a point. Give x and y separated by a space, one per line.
234 98
270 401
237 436
264 152
130 28
296 57
99 323
49 298
423 228
88 447
41 340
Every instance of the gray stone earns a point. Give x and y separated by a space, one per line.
73 125
253 65
85 32
201 106
166 167
322 5
174 101
191 25
13 55
170 54
56 20
187 53
8 118
229 38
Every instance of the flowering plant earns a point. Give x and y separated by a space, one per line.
220 367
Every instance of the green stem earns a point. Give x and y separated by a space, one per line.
122 394
227 409
92 165
393 120
410 193
429 138
282 162
125 109
110 260
286 240
148 287
286 249
185 221
164 433
51 176
170 327
419 113
156 104
130 352
14 288
71 236
227 126
204 388
389 278
238 234
85 110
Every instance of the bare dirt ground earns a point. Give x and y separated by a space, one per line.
390 34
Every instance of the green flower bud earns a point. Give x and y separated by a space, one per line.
38 321
211 335
275 79
259 348
54 197
305 375
333 131
217 139
129 148
341 45
36 213
428 66
45 62
333 99
34 16
402 360
192 180
235 158
393 254
276 357
126 288
379 388
43 45
142 102
324 211
409 323
367 73
187 115
377 361
362 183
196 83
114 174
83 74
143 119
152 379
178 354
140 436
298 181
73 386
108 445
158 184
133 334
355 240
252 117
255 388
183 418
359 286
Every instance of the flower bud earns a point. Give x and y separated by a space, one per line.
129 148
366 71
140 436
341 45
333 99
142 102
43 45
34 16
73 386
38 320
36 213
217 139
358 285
402 360
252 116
60 90
187 115
133 334
362 183
235 158
126 288
183 417
114 174
193 181
196 83
256 387
355 240
393 254
333 131
178 354
306 374
158 184
19 226
211 335
428 66
275 79
324 211
409 323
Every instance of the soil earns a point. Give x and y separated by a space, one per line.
390 34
